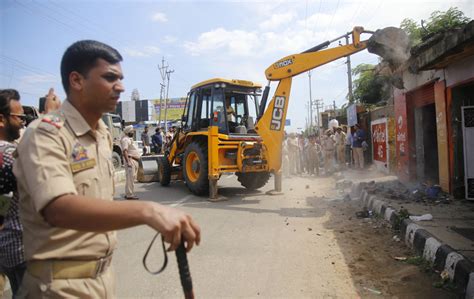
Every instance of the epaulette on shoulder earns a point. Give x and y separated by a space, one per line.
52 121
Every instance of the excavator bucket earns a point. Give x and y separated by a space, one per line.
148 169
392 44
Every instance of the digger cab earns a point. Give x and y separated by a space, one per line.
231 105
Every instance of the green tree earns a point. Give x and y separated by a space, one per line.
439 21
369 87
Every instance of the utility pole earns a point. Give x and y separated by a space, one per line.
349 75
162 69
310 105
162 90
319 103
168 73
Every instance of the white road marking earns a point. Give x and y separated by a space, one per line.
181 201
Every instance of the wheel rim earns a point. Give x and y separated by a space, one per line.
193 166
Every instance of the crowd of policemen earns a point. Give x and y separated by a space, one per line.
307 154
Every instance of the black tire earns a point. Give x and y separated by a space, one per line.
116 160
164 171
253 180
196 173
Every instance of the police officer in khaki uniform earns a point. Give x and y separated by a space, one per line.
66 186
131 158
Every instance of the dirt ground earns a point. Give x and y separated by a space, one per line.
369 250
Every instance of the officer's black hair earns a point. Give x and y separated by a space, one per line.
82 56
6 96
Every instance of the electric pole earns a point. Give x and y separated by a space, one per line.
162 69
168 73
162 90
349 75
319 103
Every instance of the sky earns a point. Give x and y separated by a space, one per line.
198 40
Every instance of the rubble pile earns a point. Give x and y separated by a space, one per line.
421 193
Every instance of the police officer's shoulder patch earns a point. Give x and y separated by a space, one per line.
52 122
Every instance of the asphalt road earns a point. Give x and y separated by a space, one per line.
306 243
253 245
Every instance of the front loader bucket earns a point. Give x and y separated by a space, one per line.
392 44
148 169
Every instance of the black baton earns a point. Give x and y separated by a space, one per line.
184 274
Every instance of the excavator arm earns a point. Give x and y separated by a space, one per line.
271 124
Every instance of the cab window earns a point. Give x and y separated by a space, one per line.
218 110
205 108
190 110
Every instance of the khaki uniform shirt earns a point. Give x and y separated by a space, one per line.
60 154
328 143
340 139
127 144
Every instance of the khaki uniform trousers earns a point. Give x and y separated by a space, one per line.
358 153
341 154
313 161
285 165
328 160
46 287
131 175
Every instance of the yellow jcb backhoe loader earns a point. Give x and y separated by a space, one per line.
226 129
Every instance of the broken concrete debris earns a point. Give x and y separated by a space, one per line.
423 193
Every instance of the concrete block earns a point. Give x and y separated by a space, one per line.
441 256
470 287
419 240
388 214
431 247
463 270
410 233
370 201
451 260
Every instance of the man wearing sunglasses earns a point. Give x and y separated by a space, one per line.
12 119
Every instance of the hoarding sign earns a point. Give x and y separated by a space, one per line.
175 109
352 115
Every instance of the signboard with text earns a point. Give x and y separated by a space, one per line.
401 136
175 109
380 143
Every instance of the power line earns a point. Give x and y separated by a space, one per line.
25 66
332 19
319 10
357 11
68 16
374 13
94 27
45 16
44 13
